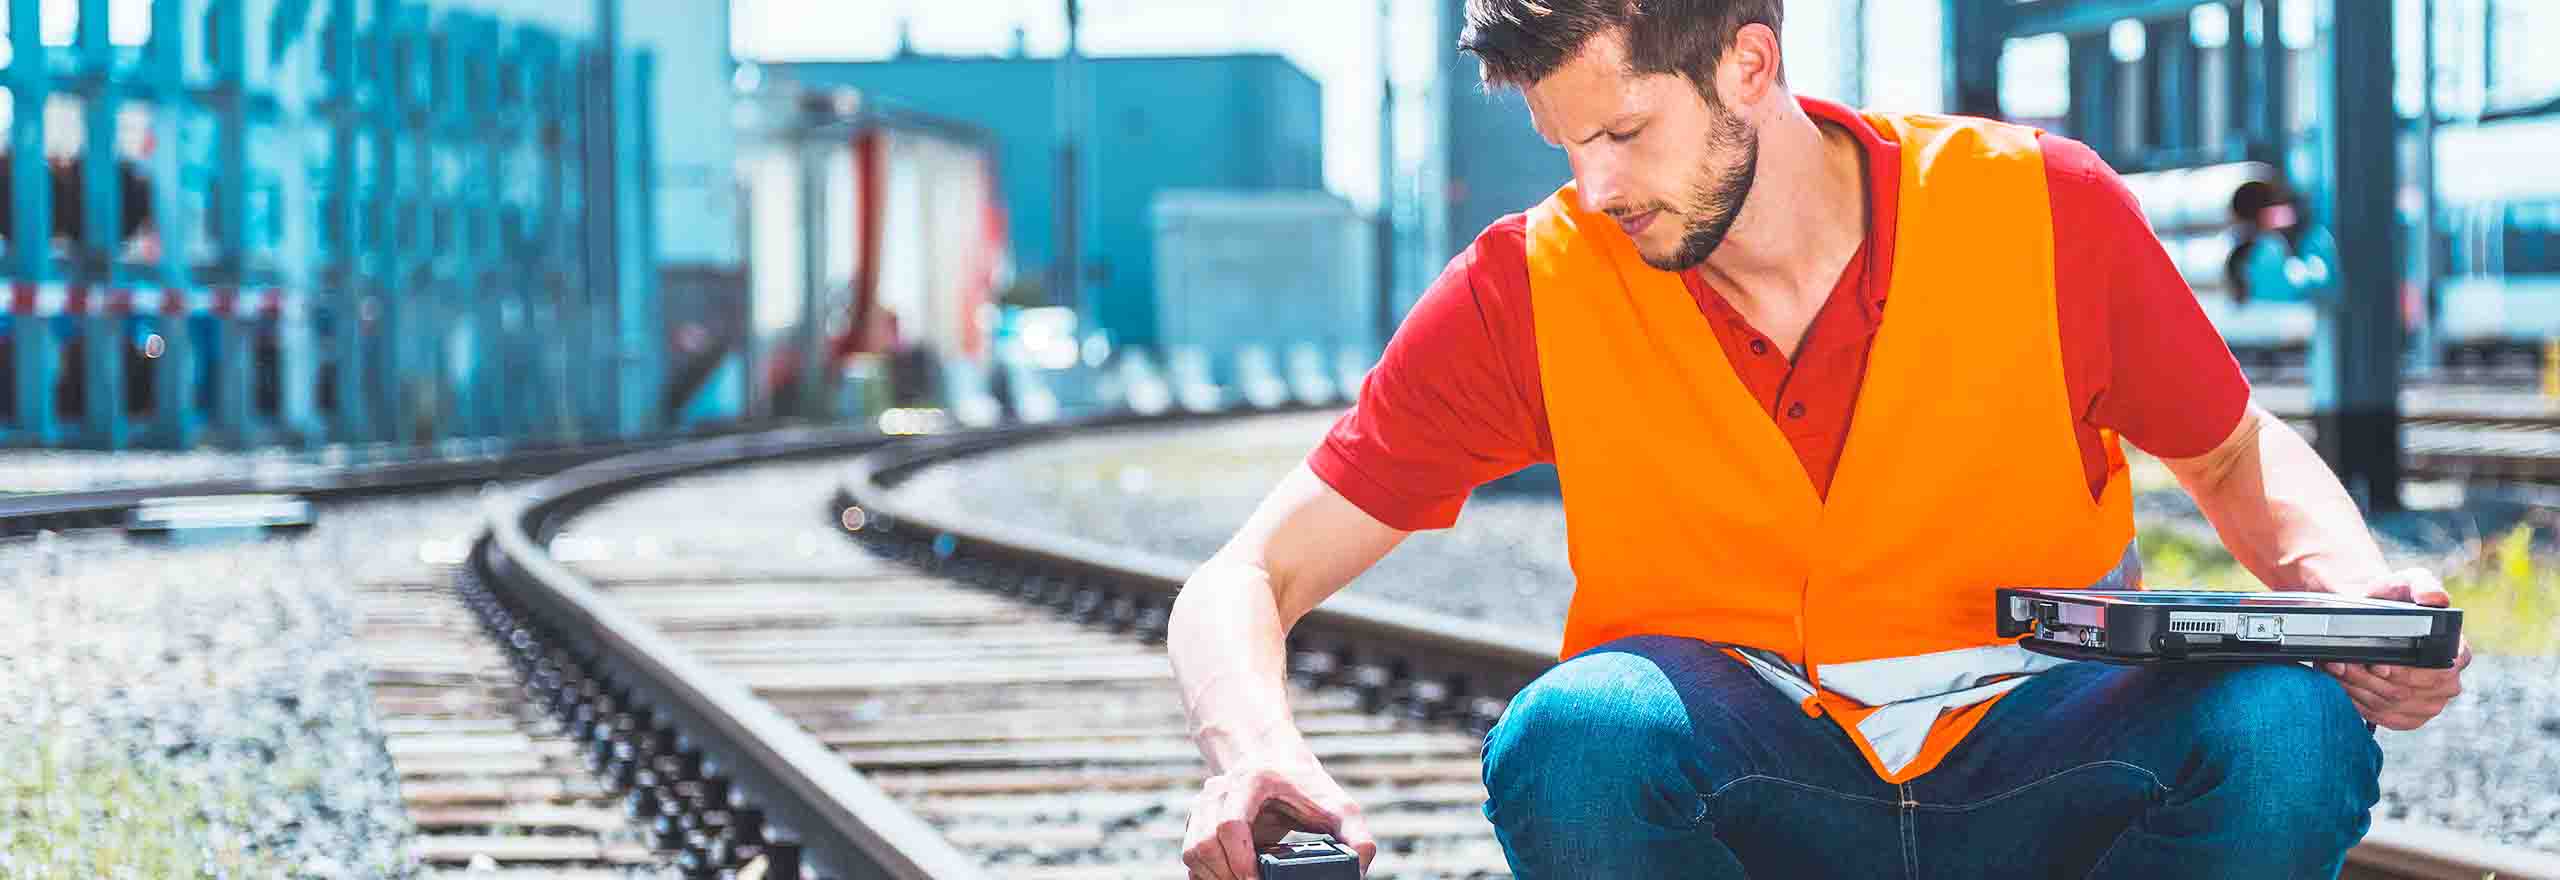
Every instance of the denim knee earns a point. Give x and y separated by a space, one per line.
2289 737
1602 735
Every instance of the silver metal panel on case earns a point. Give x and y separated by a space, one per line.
2396 625
2076 614
2272 627
2349 642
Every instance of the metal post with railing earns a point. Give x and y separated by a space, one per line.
346 282
30 207
320 221
94 267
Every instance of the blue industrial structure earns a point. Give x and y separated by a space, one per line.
2153 83
303 221
350 221
1497 165
1243 122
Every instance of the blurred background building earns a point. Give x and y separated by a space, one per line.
320 221
1248 121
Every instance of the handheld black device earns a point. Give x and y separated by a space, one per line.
2179 626
1304 856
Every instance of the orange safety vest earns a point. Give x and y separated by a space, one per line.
1688 514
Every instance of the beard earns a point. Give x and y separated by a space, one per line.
1716 199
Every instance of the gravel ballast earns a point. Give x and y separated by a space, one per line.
175 709
2489 765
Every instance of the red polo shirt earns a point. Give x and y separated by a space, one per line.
1456 401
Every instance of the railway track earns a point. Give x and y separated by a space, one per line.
2475 434
967 701
487 778
483 779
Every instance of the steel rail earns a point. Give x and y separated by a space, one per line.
826 819
652 700
398 473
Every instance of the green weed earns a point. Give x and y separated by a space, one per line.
68 808
2510 601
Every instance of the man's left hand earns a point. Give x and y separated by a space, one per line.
2402 697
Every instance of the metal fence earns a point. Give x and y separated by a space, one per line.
251 222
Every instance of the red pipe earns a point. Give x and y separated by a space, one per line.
867 147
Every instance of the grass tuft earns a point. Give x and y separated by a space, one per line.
2509 599
68 808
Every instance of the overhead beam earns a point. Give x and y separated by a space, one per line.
2088 16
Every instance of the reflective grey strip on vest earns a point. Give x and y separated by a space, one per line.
1910 692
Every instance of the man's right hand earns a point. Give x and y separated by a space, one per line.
1257 802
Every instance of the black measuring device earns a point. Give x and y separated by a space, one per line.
2190 626
1303 856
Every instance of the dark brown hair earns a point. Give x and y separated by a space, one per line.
1522 41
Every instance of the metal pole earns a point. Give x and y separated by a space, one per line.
1974 30
346 280
2273 126
590 297
1070 292
102 330
2424 356
427 323
31 230
813 155
1855 84
1386 220
291 270
2361 436
174 416
485 287
395 292
234 422
603 286
641 364
604 202
564 186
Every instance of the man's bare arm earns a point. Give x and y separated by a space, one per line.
2280 510
2286 518
1303 544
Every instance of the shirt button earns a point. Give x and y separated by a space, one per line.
1759 346
1796 410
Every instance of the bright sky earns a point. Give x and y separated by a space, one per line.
1335 40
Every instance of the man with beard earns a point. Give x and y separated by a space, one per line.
1816 382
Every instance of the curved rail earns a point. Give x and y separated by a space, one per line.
733 752
660 710
1423 664
101 508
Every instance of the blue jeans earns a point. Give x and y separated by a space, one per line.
1660 757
